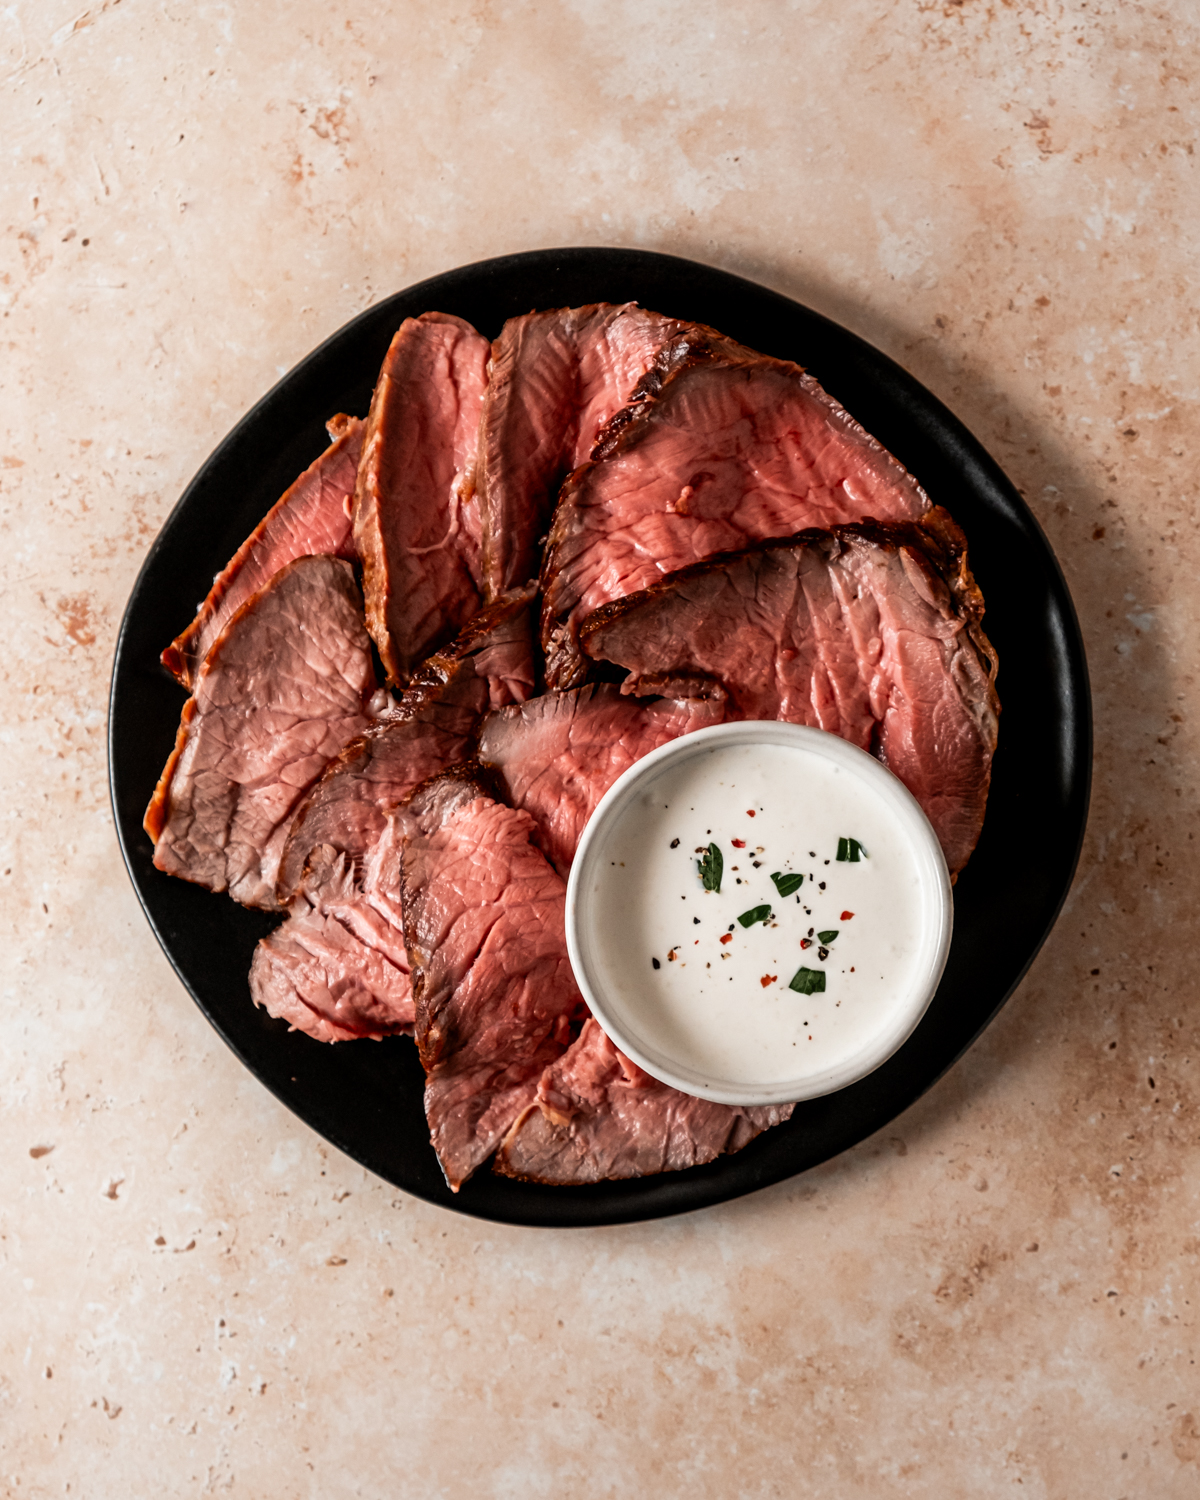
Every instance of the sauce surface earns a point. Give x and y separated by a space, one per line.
820 928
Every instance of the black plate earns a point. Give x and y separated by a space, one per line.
366 1097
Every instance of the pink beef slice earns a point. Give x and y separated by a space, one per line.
555 379
597 1115
416 518
432 728
337 968
721 447
312 518
557 755
495 998
870 631
283 688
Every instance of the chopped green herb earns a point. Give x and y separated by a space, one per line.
827 937
755 914
808 982
786 884
711 868
850 851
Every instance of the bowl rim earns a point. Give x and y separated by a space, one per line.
901 1018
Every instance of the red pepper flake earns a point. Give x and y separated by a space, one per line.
804 943
846 915
738 843
749 812
671 956
726 937
768 979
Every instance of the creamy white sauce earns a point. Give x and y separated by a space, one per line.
693 984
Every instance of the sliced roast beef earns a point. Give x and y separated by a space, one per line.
432 728
557 755
498 643
337 968
598 1115
555 379
282 689
721 447
312 518
347 810
494 993
869 631
416 519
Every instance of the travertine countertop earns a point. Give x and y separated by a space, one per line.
1000 1291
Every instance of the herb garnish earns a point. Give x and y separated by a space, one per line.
711 868
827 937
755 914
850 851
808 982
786 884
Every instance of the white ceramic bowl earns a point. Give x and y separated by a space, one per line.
624 1015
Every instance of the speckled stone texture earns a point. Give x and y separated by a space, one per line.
999 1293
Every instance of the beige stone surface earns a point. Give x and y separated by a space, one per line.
999 1294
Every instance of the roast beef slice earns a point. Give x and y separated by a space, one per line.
489 663
337 968
312 518
597 1115
871 632
433 727
721 447
283 688
557 755
555 379
493 989
347 810
416 519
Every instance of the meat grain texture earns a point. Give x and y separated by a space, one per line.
337 968
720 448
870 632
495 997
433 726
597 1116
284 687
557 755
416 518
555 379
312 519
